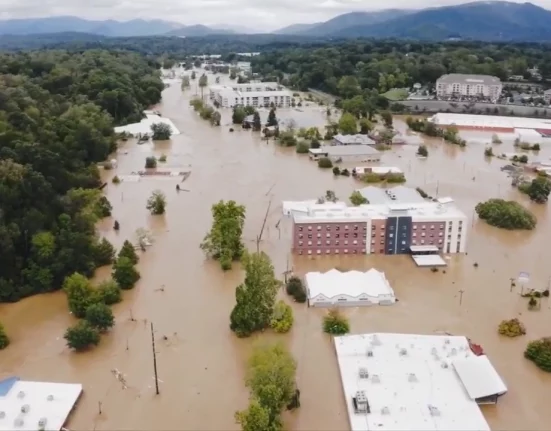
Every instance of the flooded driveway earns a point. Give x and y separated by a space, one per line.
201 363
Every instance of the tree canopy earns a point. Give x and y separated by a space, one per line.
506 214
57 112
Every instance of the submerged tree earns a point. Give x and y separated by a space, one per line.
257 124
100 316
82 336
272 118
203 82
4 340
124 273
357 198
223 242
156 203
128 250
80 294
104 252
109 292
185 82
161 131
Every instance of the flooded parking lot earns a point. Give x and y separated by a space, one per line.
189 299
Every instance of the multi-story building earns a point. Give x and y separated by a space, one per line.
391 228
259 94
456 85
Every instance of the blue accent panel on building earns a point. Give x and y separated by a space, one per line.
7 384
398 231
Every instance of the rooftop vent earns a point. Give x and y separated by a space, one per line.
369 353
42 423
25 408
385 411
50 397
361 398
444 364
18 422
412 378
447 341
375 378
434 411
21 394
434 351
363 373
454 351
403 352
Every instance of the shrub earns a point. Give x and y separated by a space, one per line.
109 292
539 352
511 328
335 323
345 172
82 336
116 180
156 203
162 159
488 152
533 303
282 319
325 163
4 340
315 143
495 139
538 190
161 131
336 171
302 148
150 162
505 214
296 289
357 198
100 316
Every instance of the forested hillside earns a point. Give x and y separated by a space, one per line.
57 112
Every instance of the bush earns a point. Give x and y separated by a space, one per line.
296 289
156 203
335 323
345 172
116 180
161 131
390 177
315 143
124 273
538 190
100 316
109 292
357 198
282 319
488 152
325 163
287 139
539 352
162 159
4 340
127 250
505 214
150 162
302 148
82 336
511 328
336 171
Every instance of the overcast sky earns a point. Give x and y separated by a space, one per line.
253 14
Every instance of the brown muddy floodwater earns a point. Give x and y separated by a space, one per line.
201 363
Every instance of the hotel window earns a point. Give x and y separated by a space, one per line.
439 241
346 227
337 251
346 242
319 242
318 251
337 228
372 235
328 235
309 242
422 241
346 250
337 235
319 227
372 227
328 228
327 251
354 242
346 235
355 235
372 242
422 234
432 226
309 227
337 242
356 227
364 242
414 234
309 236
423 227
309 251
391 235
440 233
458 247
300 235
328 242
382 242
300 252
319 235
415 227
365 227
300 228
354 251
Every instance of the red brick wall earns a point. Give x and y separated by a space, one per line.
434 232
329 238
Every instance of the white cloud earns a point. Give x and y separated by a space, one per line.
256 14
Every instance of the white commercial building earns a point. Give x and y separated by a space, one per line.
493 123
460 85
346 153
36 405
348 289
258 94
402 382
144 126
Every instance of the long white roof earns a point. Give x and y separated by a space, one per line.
353 283
412 384
489 121
144 126
31 406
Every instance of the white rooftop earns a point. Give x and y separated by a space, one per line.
32 406
144 126
290 207
391 195
479 377
372 283
421 211
410 382
428 260
490 121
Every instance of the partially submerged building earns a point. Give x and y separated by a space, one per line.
348 289
346 153
493 123
357 139
255 94
415 382
144 127
26 405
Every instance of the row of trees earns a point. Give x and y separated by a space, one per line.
506 214
57 112
449 134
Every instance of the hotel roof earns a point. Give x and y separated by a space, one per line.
422 211
399 194
411 382
26 405
372 283
455 78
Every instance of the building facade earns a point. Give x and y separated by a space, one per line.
456 85
260 94
380 229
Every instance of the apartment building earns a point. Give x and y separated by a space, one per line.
456 85
259 94
380 229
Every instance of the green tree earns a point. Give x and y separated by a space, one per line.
124 273
325 163
255 297
539 190
185 83
80 294
282 317
387 119
347 124
223 241
366 126
272 118
257 124
355 106
193 75
539 352
161 131
150 162
104 252
255 418
215 118
335 323
4 340
505 214
357 198
422 151
100 317
203 82
238 115
296 289
109 292
82 336
271 378
128 250
156 203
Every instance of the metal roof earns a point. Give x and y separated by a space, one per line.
455 78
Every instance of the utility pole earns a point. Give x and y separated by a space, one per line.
437 186
461 297
154 360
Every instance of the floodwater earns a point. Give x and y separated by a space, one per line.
189 299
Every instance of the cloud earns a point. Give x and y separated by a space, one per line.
260 15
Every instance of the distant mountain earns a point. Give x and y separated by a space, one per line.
296 28
196 30
37 41
485 20
62 24
343 22
238 29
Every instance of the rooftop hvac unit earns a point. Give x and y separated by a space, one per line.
434 411
444 364
369 353
403 352
21 394
385 411
18 422
50 397
42 423
375 378
454 351
363 373
412 378
25 408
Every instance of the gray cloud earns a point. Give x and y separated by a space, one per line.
254 14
